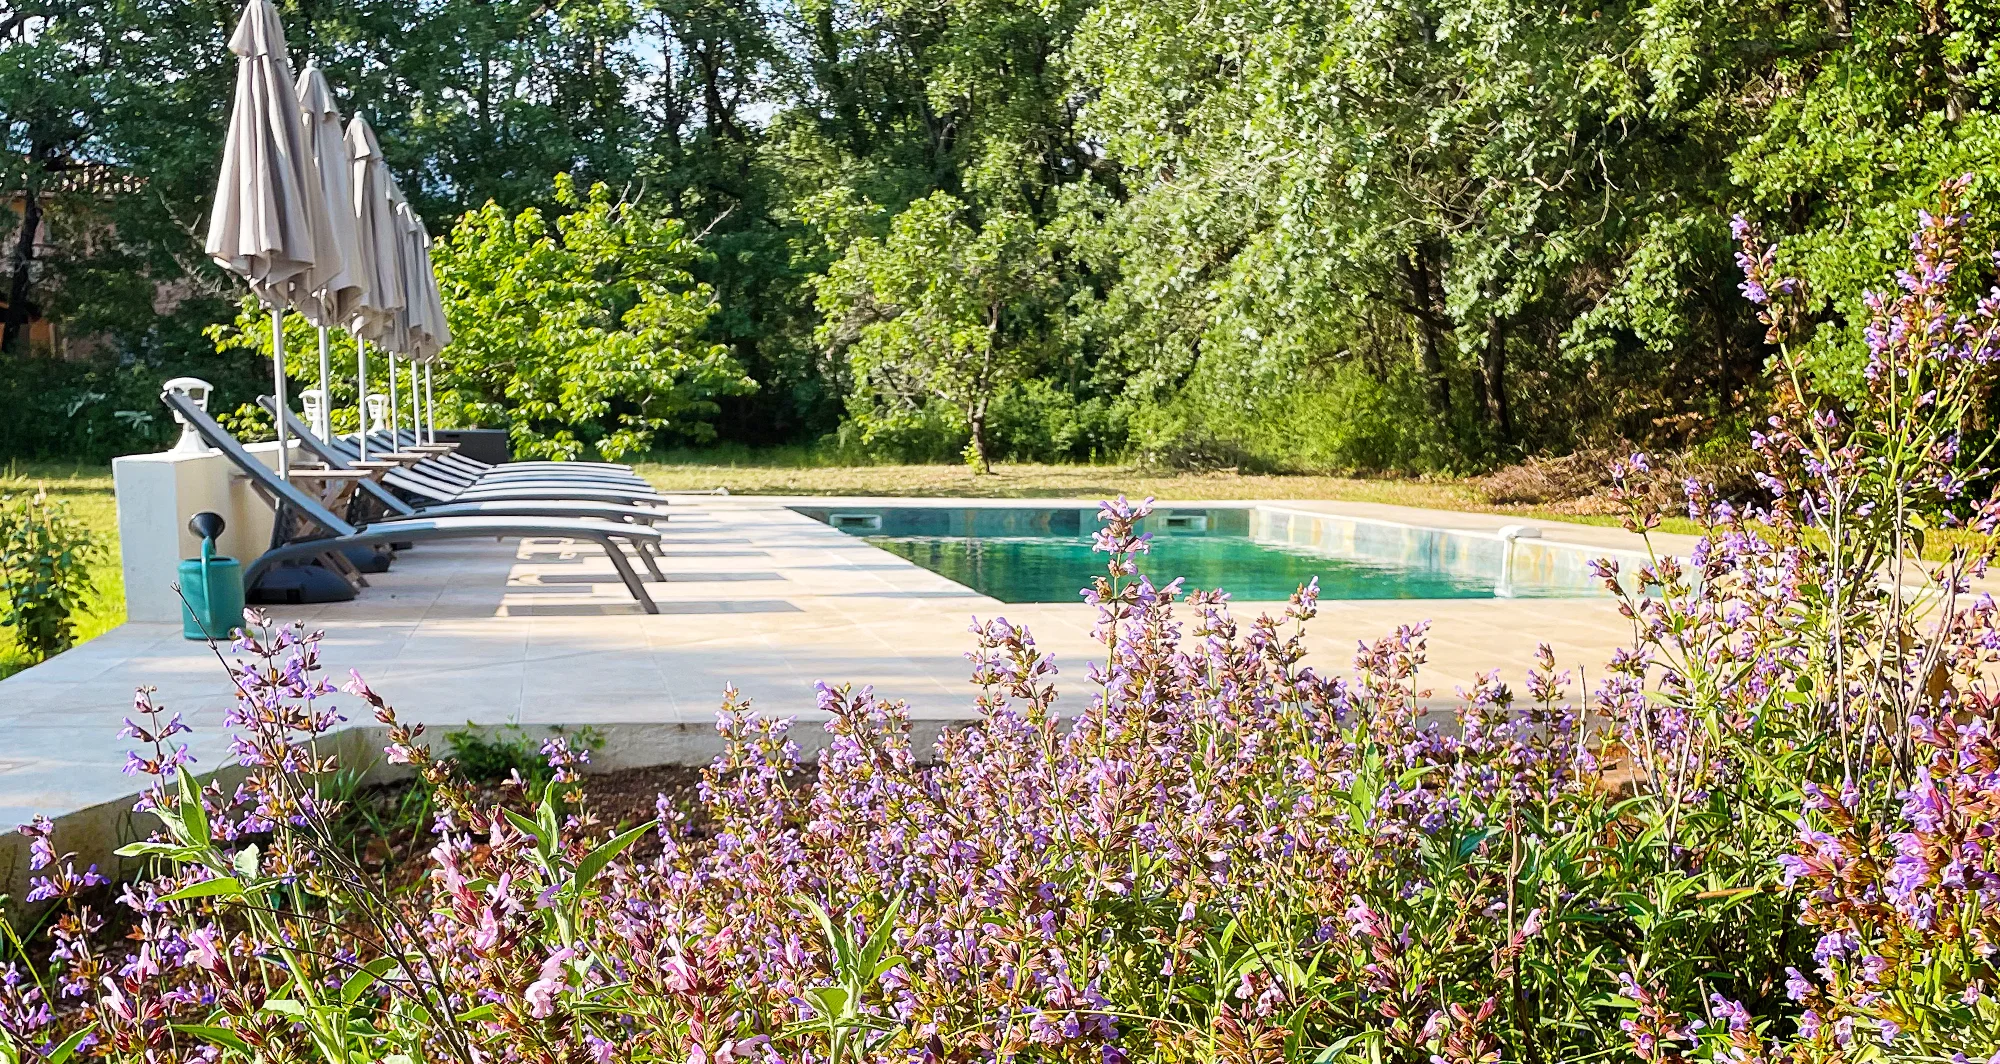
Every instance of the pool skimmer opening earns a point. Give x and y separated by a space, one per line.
858 522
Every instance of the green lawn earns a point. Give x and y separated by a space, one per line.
793 471
86 489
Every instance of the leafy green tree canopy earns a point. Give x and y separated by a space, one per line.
939 310
583 335
1289 234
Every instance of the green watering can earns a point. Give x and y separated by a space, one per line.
211 587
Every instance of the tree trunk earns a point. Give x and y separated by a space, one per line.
1480 408
14 335
1493 374
719 118
837 86
975 418
981 393
1371 347
1430 353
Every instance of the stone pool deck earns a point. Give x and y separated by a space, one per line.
756 595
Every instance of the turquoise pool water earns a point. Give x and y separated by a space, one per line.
1037 569
1042 553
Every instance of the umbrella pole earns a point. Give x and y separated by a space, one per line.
416 420
324 423
278 390
393 427
430 404
361 402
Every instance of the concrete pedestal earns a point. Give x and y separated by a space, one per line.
157 493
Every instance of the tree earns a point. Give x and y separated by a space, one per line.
1456 182
938 310
1871 108
1461 230
48 110
583 335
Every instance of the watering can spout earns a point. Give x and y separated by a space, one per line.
206 525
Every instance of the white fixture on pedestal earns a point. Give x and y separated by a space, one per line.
197 390
313 400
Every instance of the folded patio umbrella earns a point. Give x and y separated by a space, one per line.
376 232
408 334
427 320
269 224
428 331
336 301
378 242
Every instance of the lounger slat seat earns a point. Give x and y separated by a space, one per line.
460 466
439 468
405 438
441 471
421 483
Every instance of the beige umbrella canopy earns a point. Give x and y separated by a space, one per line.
428 331
394 332
406 333
377 232
269 224
334 302
378 241
341 292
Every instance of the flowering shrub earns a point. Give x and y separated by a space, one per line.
1221 854
45 577
1817 644
1892 863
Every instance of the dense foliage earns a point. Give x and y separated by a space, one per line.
579 333
1765 834
93 410
1414 234
929 317
587 337
45 577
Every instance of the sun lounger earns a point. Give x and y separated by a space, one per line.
436 504
407 439
339 534
458 467
422 482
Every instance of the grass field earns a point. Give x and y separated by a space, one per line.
86 489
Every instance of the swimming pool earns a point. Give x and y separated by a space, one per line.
1043 554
